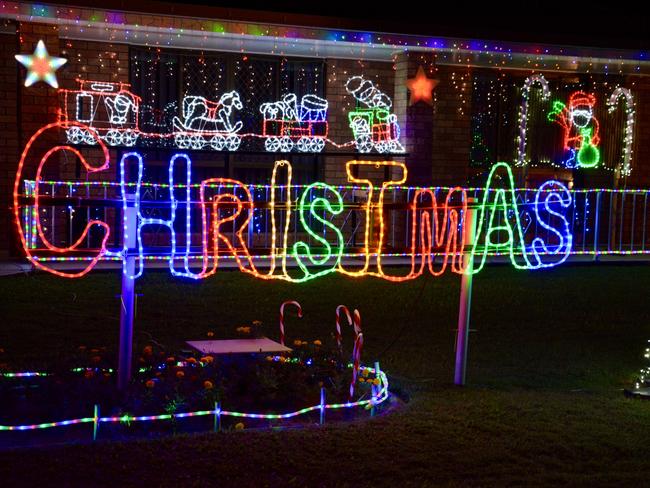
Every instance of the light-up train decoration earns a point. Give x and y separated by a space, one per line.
372 123
226 206
116 115
287 123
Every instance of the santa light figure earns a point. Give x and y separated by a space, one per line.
581 130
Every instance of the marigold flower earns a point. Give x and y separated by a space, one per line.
376 381
170 359
239 426
150 384
180 374
210 333
257 323
361 380
318 343
147 351
191 360
208 385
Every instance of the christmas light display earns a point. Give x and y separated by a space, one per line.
285 122
41 66
117 115
581 129
421 88
208 123
379 396
372 124
110 110
626 165
227 206
523 113
499 213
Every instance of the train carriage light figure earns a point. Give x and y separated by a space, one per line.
108 108
288 125
372 124
207 123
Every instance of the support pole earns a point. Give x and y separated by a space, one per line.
95 421
127 298
217 417
322 405
462 334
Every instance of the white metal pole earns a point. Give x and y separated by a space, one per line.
462 334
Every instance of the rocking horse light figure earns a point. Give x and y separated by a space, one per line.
207 123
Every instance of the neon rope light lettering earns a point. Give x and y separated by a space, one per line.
435 222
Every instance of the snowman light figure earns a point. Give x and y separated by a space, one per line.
581 130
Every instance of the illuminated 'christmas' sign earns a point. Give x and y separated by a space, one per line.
226 206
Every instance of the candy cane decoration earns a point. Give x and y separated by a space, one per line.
356 353
339 309
288 302
523 112
612 103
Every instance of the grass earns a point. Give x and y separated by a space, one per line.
548 359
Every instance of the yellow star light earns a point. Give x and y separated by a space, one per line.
40 66
421 88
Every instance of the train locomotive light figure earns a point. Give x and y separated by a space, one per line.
287 124
372 124
108 108
207 123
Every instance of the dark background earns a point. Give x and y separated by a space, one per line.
623 25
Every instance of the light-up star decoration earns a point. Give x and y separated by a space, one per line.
41 66
421 88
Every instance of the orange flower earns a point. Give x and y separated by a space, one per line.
210 333
170 359
297 342
180 374
191 360
147 351
318 343
150 384
208 385
239 426
257 323
376 382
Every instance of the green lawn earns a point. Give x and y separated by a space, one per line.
548 359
